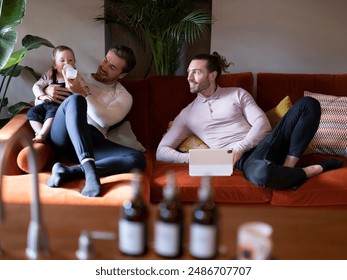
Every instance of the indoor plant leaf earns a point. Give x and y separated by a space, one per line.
15 58
30 42
12 13
16 108
7 42
18 70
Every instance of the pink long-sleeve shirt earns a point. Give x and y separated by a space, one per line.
229 119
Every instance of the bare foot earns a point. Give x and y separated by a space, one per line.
39 138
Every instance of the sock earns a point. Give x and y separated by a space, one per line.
62 174
92 186
330 164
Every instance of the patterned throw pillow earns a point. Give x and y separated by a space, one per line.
331 136
275 114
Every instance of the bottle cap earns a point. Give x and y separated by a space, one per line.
136 183
205 191
170 190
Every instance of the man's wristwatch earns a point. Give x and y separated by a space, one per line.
87 91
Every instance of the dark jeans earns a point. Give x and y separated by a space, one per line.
42 112
263 165
74 139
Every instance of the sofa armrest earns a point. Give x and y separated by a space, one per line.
18 124
17 163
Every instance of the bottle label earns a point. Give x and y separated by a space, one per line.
131 237
167 239
203 241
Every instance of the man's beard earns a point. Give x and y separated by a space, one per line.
199 87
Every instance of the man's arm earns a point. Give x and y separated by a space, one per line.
172 139
107 108
258 121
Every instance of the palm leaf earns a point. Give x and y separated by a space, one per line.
162 25
191 28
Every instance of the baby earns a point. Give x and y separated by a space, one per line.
41 116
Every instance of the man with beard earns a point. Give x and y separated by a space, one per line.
79 129
229 118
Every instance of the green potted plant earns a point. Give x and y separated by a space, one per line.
164 26
11 14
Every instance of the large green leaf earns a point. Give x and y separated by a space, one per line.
12 13
7 42
15 58
16 108
31 42
16 70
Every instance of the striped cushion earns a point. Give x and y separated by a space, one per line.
331 136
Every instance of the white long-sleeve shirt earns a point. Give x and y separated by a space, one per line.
229 119
107 104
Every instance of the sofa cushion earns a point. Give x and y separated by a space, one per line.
124 135
331 136
192 142
275 114
230 189
328 188
114 190
44 154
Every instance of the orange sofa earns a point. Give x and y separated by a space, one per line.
157 100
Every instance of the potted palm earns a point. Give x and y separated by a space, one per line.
11 14
163 26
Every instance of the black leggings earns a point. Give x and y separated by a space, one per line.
263 165
75 140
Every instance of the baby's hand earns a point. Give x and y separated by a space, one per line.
46 98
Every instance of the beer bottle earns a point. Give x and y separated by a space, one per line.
203 241
133 221
168 241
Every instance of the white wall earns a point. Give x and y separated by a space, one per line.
289 36
68 22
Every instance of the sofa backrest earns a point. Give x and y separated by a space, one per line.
139 113
273 87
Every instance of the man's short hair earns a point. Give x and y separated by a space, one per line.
127 54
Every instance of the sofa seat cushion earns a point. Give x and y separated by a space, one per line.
230 189
115 189
328 188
